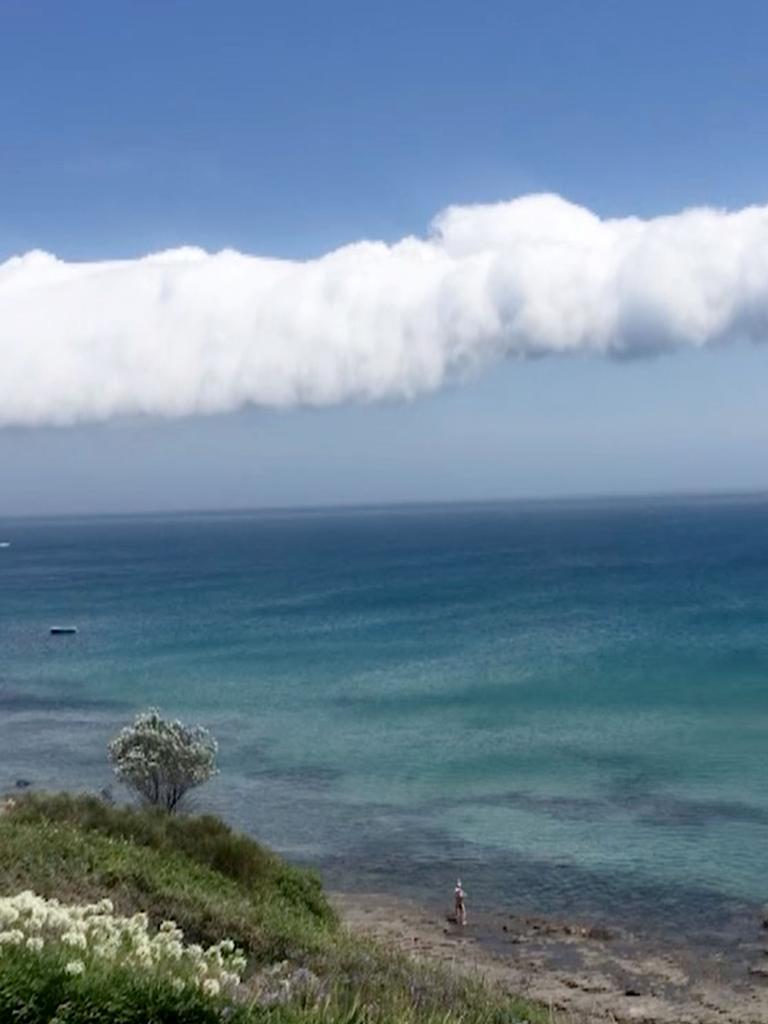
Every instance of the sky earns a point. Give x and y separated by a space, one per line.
287 130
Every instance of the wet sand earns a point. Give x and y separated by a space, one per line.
582 971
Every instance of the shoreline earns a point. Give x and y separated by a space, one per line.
580 971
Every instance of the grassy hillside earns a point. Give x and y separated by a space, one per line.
215 884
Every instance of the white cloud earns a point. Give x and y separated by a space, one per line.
186 332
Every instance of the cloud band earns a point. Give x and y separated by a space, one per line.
185 332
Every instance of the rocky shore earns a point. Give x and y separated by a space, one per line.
584 972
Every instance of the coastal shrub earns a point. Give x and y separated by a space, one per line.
37 988
88 936
73 865
207 840
162 759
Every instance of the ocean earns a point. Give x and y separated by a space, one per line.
564 703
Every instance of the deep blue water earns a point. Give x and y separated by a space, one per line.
566 703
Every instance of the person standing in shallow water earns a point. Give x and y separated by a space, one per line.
459 904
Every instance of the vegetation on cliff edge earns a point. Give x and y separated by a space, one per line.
302 967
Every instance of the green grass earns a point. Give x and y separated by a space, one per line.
215 884
205 840
62 861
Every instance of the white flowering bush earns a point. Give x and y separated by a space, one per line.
84 936
162 759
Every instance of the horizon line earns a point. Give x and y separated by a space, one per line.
363 506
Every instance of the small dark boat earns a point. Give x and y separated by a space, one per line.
63 630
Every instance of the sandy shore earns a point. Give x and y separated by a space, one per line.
584 973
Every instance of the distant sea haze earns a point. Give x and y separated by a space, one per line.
564 703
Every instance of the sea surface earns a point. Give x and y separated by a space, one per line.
564 703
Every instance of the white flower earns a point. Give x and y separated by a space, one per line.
75 939
110 938
211 987
174 950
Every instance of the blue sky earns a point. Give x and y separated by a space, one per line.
287 129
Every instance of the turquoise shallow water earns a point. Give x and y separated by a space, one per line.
566 703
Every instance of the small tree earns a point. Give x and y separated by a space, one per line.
162 760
